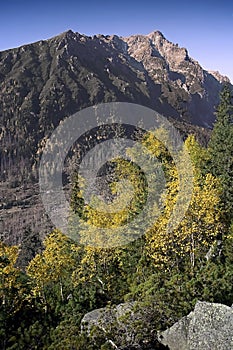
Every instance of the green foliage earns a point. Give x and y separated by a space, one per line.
220 149
66 336
174 293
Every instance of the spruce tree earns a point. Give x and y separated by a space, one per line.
221 149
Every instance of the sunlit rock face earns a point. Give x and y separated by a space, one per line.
209 326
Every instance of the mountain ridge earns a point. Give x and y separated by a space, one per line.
171 63
158 33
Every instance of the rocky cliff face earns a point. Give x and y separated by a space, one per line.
43 82
192 91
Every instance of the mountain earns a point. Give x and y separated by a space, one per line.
43 82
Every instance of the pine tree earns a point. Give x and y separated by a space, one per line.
221 149
30 245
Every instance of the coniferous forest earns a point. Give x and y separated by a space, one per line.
47 287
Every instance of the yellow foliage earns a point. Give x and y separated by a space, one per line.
199 228
9 278
53 263
8 271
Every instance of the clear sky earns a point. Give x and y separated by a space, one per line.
204 27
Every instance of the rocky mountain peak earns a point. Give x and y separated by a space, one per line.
68 33
156 33
156 45
67 38
157 37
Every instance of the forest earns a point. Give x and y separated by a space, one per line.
47 287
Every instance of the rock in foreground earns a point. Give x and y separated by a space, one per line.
208 327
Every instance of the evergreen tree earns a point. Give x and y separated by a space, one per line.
30 245
221 149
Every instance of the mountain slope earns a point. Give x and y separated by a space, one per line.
43 82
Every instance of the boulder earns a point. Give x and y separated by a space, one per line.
111 317
208 327
123 327
106 316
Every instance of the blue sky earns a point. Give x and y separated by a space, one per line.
206 30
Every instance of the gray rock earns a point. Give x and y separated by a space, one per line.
208 327
120 327
106 318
